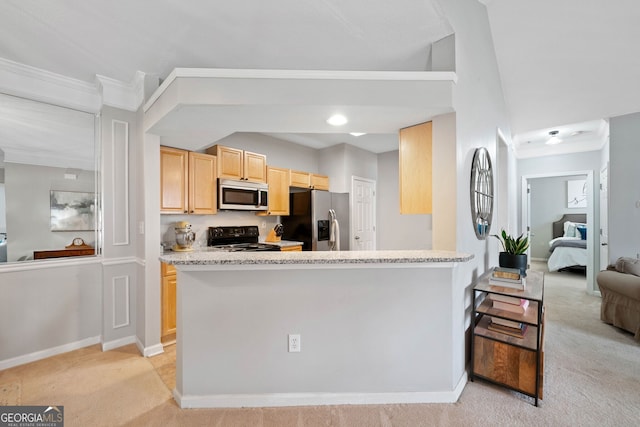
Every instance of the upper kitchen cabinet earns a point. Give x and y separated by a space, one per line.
416 169
300 179
278 180
319 182
239 164
309 180
187 182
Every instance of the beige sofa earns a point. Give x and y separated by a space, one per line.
620 288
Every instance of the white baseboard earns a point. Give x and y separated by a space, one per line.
312 399
43 354
149 351
110 345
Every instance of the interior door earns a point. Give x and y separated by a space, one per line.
527 230
364 214
604 218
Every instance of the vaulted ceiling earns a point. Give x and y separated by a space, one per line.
567 65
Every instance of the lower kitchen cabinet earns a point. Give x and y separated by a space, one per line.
291 248
168 301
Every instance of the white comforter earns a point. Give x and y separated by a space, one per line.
566 257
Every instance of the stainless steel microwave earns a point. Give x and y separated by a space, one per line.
242 195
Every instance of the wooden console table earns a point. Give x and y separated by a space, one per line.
76 248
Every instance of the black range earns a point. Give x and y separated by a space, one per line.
237 239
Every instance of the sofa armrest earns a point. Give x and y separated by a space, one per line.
620 283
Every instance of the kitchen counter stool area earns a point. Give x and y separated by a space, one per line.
371 327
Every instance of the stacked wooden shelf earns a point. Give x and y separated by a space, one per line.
510 361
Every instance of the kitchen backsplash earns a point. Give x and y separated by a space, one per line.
201 223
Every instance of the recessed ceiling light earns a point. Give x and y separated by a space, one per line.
337 120
554 138
357 133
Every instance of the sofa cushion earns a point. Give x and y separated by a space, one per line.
628 265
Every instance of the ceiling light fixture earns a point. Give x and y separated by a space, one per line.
554 138
357 133
337 120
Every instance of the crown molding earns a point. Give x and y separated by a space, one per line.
126 96
44 86
40 85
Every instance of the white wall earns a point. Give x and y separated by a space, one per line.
624 187
119 272
48 309
395 231
362 330
282 154
342 161
480 111
445 179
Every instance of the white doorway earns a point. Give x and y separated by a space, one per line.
363 214
604 217
592 251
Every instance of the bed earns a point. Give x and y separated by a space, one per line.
569 245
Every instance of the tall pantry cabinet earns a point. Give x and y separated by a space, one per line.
416 169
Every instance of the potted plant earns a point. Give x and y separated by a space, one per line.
514 254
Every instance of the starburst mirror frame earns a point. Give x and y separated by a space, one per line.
481 192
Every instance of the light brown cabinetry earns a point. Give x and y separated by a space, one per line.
309 180
319 182
278 181
168 301
416 169
300 179
291 248
516 362
239 164
187 182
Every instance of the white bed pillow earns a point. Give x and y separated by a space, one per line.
571 230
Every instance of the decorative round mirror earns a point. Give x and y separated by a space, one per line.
481 191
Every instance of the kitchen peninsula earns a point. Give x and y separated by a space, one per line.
371 327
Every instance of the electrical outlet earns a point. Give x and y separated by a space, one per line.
294 343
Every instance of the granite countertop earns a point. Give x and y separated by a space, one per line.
212 257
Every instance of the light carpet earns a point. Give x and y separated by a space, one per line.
592 378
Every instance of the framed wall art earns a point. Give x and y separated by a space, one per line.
72 211
577 193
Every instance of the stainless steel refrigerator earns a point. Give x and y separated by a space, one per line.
319 219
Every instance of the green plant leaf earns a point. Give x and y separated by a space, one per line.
512 245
